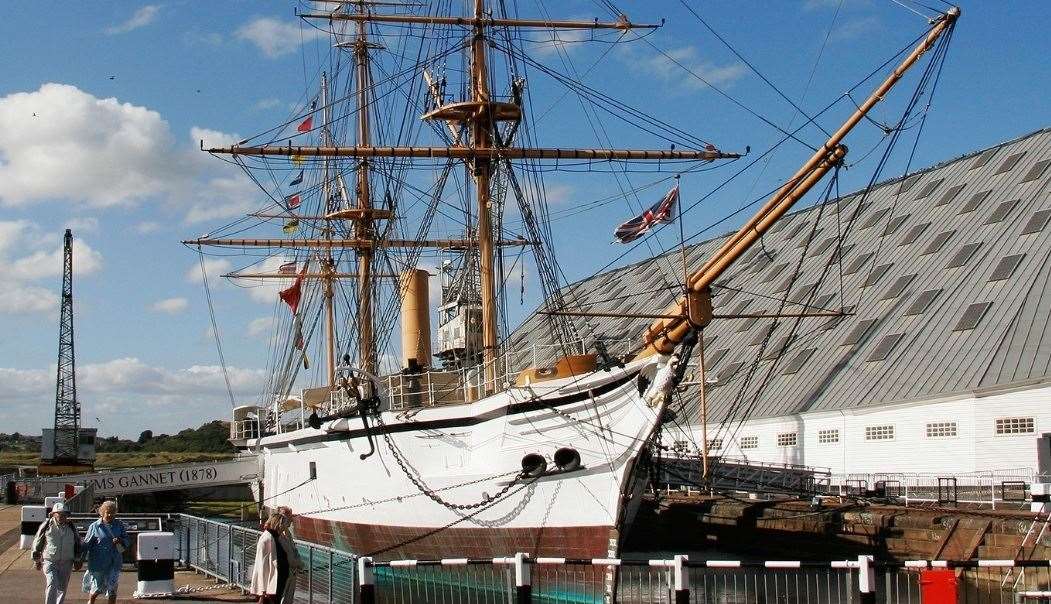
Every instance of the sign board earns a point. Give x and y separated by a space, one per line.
173 477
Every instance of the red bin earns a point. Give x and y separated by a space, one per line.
938 586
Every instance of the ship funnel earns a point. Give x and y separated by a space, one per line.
415 320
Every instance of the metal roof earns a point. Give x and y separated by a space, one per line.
912 290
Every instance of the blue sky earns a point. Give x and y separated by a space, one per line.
102 106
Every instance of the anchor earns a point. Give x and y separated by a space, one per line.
350 384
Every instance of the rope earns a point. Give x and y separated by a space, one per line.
215 327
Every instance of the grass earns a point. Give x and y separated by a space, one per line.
121 460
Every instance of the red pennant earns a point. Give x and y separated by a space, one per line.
306 125
292 295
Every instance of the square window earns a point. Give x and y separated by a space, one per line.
810 236
929 188
761 335
796 230
828 437
1037 170
984 158
908 183
715 444
798 361
729 371
874 218
885 346
975 201
922 302
876 275
803 293
1009 163
1001 211
972 316
895 224
941 429
858 332
949 195
898 286
776 348
914 233
857 263
879 432
775 272
743 304
749 442
938 242
785 284
1037 222
1006 267
787 439
963 255
1015 425
747 324
821 247
840 252
713 359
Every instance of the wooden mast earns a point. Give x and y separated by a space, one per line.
363 226
665 334
328 265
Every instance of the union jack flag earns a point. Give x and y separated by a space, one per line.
288 268
661 212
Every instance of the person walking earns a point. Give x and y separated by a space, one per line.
105 543
270 572
57 551
295 563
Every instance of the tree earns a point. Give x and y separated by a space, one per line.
145 436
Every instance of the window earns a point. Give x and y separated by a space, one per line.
885 346
828 437
798 361
835 321
839 252
743 304
787 439
984 158
1037 170
975 201
774 272
1015 425
821 247
922 302
747 324
1006 267
796 230
895 224
749 442
972 316
908 183
761 335
1009 163
876 275
873 219
914 233
823 300
858 332
776 347
938 242
805 241
1037 222
879 432
728 372
803 293
949 195
1001 211
929 188
714 444
785 284
857 263
941 429
963 255
713 359
898 286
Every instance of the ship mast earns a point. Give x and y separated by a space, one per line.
363 226
328 265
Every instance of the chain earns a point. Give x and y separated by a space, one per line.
422 488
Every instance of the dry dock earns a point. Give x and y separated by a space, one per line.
20 582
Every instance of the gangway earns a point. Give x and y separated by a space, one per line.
733 474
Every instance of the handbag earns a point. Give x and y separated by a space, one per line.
119 544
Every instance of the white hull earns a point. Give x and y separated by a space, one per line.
463 455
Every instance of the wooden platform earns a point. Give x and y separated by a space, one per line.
21 583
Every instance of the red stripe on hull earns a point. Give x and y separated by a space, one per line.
415 543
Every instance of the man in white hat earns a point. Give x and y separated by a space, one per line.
57 551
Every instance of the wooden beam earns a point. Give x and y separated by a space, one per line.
477 153
621 315
449 244
295 275
620 24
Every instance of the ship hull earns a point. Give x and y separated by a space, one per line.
447 483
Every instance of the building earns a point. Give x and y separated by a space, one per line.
943 364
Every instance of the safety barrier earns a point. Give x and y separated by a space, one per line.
227 551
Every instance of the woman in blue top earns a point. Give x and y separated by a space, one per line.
104 543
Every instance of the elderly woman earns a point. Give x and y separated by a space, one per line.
56 551
295 563
270 573
105 543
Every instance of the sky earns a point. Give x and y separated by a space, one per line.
103 107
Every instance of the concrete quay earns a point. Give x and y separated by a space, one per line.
21 583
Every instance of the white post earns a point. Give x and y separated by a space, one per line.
523 579
866 580
681 576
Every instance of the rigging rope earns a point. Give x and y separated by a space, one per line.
215 328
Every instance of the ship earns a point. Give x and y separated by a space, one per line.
464 449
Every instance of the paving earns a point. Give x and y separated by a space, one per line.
20 582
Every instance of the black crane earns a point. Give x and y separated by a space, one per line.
67 408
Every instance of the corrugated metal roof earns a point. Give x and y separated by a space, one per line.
910 350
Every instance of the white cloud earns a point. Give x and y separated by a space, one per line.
82 225
551 42
171 306
28 255
268 103
128 395
265 291
261 327
140 18
557 194
683 66
274 37
213 266
145 228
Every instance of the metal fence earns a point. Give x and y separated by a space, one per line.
227 551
